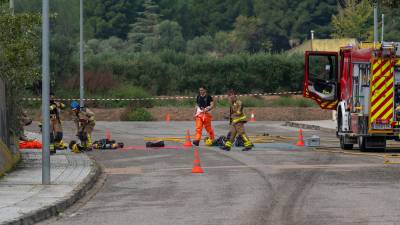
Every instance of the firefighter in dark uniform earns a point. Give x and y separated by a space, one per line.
56 133
237 121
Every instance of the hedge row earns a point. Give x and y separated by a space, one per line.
168 72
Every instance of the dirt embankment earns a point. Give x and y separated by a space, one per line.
186 114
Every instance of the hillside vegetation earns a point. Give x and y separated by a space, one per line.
168 47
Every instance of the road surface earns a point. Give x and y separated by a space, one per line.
275 184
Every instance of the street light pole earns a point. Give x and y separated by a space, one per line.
81 73
12 7
45 94
375 23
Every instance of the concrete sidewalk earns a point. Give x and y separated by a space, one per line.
24 200
324 125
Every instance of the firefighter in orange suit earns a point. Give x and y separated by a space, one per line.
203 117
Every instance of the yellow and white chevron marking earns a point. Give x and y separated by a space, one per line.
382 91
329 104
323 104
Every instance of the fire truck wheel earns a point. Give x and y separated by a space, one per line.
344 145
362 144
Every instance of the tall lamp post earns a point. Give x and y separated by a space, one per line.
45 94
81 73
12 7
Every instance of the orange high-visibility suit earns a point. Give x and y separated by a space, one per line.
203 117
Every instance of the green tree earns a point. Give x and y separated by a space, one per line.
200 45
250 34
224 42
145 26
106 18
170 36
19 56
354 21
64 34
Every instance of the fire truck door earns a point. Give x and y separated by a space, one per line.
321 78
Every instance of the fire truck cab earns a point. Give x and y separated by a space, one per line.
363 85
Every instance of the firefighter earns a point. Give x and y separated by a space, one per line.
56 133
25 120
84 121
204 104
237 119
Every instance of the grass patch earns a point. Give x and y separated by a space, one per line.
183 103
287 101
138 114
253 102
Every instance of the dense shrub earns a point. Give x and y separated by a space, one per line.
169 72
136 114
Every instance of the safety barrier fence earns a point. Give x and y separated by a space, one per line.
169 97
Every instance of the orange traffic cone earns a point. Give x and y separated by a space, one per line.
300 142
196 163
252 117
188 142
168 118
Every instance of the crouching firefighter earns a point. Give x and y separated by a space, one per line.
237 119
84 122
204 104
56 133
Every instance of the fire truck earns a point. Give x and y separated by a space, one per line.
362 83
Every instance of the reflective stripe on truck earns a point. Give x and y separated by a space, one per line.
381 95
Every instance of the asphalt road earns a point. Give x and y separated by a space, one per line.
275 184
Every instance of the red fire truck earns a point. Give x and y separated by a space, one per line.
363 85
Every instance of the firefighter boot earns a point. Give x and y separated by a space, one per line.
58 143
74 147
247 143
52 144
196 142
52 149
63 145
227 146
89 143
209 141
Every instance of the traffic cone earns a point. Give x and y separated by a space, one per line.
196 163
252 117
300 142
167 118
188 142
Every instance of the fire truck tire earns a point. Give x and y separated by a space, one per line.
344 145
378 144
362 144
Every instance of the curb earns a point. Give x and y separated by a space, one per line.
308 126
61 205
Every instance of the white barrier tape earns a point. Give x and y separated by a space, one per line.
165 98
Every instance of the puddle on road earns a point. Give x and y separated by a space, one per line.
274 146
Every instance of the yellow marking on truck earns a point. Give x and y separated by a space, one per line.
381 91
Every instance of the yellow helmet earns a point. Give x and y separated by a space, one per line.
208 141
